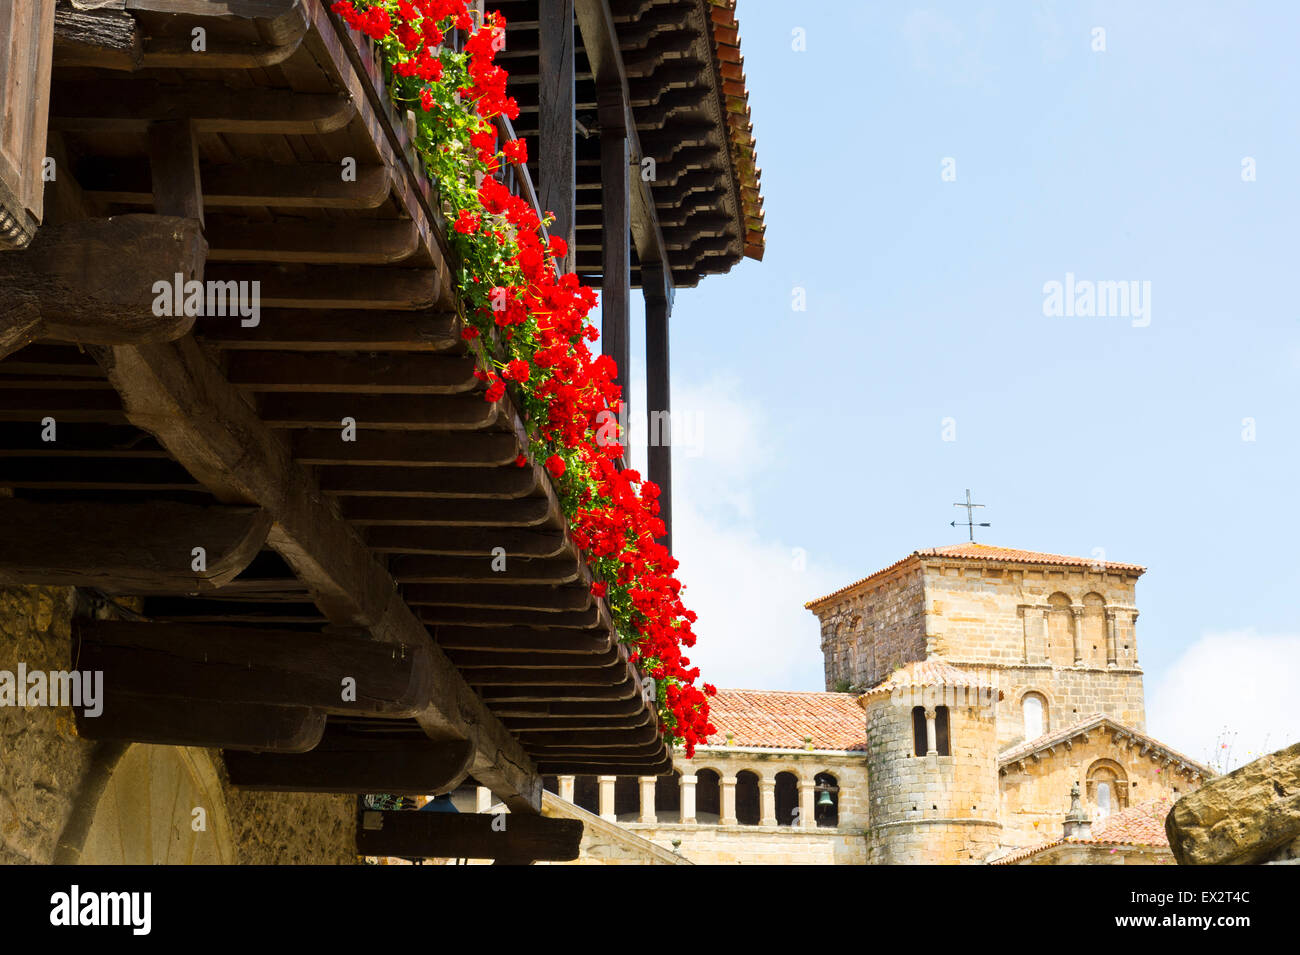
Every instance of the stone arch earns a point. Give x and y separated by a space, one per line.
1060 630
708 796
826 812
748 807
786 785
137 807
1093 638
1107 788
1025 706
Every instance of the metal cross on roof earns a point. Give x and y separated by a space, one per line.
970 520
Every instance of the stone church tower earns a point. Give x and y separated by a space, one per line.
971 660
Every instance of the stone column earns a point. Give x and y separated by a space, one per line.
566 788
931 738
728 785
688 799
807 804
483 799
648 799
1078 634
1110 637
767 794
607 797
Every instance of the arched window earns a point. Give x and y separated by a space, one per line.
941 731
919 735
1093 639
1033 707
708 796
787 798
1107 788
826 800
748 812
627 798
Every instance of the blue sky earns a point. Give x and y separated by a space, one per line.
821 432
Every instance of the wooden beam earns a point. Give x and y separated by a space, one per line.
447 835
466 542
175 392
357 763
173 722
93 280
124 106
371 374
239 665
486 569
395 412
429 330
557 171
26 36
443 449
558 642
504 483
107 39
434 512
475 617
20 320
126 547
327 242
488 596
340 287
246 183
534 660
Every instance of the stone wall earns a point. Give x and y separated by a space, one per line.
70 800
870 633
1035 794
1072 694
931 809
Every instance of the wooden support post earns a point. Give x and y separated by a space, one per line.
174 162
241 665
27 37
510 837
357 763
656 285
557 166
616 245
127 547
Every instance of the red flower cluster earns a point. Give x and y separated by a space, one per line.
542 317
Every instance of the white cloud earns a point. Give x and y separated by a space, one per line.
1238 688
748 587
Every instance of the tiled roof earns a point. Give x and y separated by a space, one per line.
1140 826
932 672
779 719
974 551
1096 720
740 129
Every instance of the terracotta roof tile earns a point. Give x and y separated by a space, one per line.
931 672
1056 737
740 140
1140 826
976 551
780 719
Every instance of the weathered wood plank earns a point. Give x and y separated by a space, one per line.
443 449
174 165
27 37
427 482
127 547
173 722
247 183
332 242
357 763
393 412
499 596
336 330
465 542
369 374
424 512
338 287
93 280
175 392
487 569
239 665
512 837
119 105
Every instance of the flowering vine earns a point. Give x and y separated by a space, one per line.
528 326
